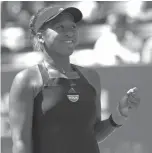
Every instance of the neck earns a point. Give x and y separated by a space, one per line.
62 62
59 61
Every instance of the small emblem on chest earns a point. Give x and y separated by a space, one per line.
72 95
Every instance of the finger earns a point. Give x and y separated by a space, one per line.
133 98
133 102
133 105
133 93
124 100
133 90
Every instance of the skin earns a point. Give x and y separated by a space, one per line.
21 93
20 112
55 34
58 31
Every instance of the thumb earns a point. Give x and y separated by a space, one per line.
123 101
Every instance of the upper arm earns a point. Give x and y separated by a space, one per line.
21 108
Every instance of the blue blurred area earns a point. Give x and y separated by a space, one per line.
115 39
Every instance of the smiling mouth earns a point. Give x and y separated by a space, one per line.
69 41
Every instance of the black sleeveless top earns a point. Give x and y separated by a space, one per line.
64 117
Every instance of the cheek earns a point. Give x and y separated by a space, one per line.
77 38
50 36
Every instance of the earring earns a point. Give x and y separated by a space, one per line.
41 41
40 38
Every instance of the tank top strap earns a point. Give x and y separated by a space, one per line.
80 73
44 74
76 69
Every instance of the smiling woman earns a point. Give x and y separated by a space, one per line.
60 35
55 105
55 33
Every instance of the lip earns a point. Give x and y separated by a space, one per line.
69 41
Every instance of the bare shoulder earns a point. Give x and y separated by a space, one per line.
27 77
92 76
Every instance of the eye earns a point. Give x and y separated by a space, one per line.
60 27
73 26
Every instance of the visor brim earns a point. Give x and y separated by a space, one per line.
76 13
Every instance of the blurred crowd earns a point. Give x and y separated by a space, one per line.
111 34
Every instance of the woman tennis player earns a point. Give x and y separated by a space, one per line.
55 105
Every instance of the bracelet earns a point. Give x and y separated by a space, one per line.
112 122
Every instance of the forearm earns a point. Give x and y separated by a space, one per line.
21 147
21 136
103 129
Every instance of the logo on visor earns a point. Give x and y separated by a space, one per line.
61 9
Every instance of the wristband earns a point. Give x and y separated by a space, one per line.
112 122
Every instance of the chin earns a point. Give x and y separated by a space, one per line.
68 53
71 51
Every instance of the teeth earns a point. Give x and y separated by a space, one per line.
68 41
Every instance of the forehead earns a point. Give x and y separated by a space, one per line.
61 18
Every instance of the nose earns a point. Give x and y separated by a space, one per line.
69 33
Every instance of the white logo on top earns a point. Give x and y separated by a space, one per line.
73 98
